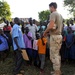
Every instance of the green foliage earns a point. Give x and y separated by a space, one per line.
5 10
43 15
71 5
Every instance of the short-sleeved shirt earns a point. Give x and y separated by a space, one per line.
35 47
73 27
58 20
65 28
17 33
41 47
7 28
27 41
33 30
3 43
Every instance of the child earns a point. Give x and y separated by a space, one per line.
35 50
70 52
7 30
42 51
3 45
27 40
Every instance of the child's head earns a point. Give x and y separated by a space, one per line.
69 30
42 38
26 29
38 36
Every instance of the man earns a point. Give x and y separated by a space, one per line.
72 25
55 29
33 28
18 45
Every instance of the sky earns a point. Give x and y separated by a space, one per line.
30 8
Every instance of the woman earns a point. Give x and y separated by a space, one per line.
3 45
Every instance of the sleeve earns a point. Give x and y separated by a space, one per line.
6 36
36 27
30 34
53 17
15 32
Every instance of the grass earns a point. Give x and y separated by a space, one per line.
7 67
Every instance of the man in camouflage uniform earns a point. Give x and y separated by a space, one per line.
55 29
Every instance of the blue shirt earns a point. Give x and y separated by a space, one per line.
69 38
3 44
16 32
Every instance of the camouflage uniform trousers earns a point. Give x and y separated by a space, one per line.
55 45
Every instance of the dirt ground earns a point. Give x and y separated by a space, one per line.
7 66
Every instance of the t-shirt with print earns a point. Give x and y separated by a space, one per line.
58 20
17 33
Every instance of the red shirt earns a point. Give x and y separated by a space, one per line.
7 28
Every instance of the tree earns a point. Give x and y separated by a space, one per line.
71 5
5 10
43 15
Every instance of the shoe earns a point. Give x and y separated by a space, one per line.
56 73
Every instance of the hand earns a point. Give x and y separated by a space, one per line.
20 50
44 34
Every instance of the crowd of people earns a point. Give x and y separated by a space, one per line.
68 45
13 36
17 36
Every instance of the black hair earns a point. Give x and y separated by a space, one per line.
72 22
17 20
54 4
30 21
68 23
11 23
34 21
7 23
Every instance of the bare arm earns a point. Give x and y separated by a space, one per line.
15 40
51 25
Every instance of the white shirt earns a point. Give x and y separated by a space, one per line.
73 27
33 30
35 47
